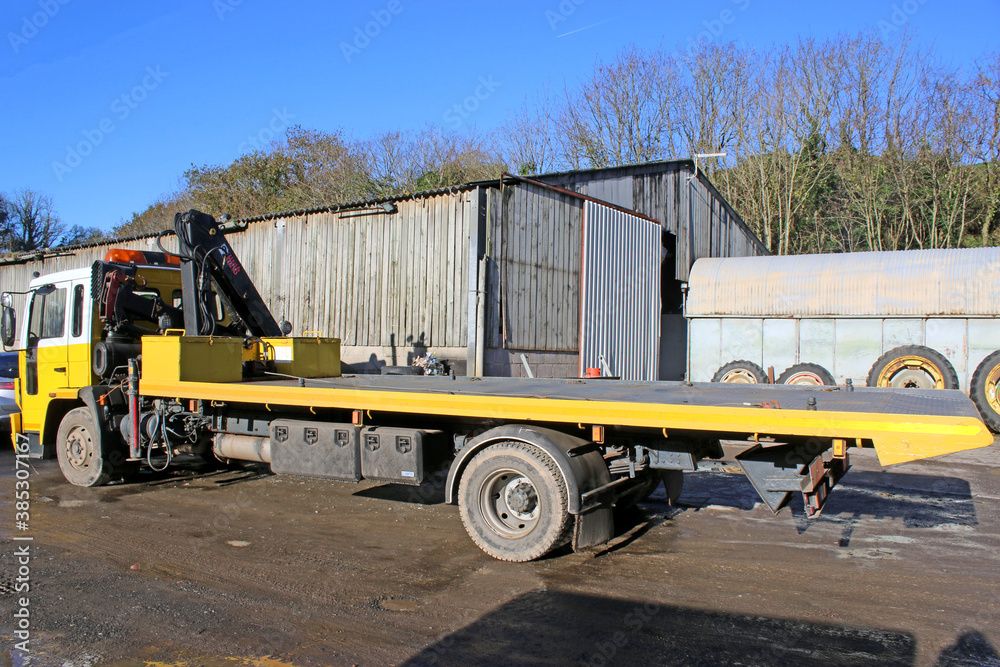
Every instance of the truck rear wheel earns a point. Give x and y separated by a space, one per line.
514 502
80 450
913 367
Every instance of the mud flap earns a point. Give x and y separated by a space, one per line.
777 472
593 527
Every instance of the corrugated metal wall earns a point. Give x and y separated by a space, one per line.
533 285
362 279
620 293
949 282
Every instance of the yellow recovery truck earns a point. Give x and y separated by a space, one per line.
133 362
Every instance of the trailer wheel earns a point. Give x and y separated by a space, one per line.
812 375
513 502
983 390
913 367
79 448
740 372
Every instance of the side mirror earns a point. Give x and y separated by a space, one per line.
8 325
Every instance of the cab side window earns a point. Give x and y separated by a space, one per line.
48 315
77 328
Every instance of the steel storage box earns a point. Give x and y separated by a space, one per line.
192 358
306 357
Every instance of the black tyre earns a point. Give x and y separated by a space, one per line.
740 372
514 502
644 487
83 457
983 390
913 367
810 375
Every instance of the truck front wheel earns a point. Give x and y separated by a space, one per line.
80 451
514 502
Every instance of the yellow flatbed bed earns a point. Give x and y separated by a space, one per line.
903 425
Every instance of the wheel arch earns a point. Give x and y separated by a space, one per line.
54 413
91 398
579 461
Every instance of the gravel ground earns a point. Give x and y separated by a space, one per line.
245 568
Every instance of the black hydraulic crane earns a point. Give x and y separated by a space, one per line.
207 259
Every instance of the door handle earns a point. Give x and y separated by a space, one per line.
60 369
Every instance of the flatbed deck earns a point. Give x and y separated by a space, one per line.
902 425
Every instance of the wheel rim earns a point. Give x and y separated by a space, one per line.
991 388
79 448
805 378
509 503
911 372
739 376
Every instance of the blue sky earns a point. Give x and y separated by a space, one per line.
107 104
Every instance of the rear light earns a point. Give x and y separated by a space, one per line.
6 384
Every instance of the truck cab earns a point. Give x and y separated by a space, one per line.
56 338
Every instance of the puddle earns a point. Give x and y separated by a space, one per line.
399 605
870 554
206 661
896 539
75 503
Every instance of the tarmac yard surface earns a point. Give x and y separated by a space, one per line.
241 567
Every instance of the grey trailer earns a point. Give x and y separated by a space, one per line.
919 318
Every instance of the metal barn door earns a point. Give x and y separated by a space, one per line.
620 301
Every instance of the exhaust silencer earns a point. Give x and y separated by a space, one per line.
242 447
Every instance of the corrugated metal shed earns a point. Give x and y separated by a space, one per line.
689 207
410 278
949 282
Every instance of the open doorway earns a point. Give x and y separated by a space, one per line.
673 326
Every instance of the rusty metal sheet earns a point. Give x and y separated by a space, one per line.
620 300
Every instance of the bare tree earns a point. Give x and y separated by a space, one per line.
32 222
983 140
528 143
624 113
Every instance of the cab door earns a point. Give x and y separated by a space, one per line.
46 357
81 335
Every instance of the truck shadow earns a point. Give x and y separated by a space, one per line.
554 627
429 492
919 501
